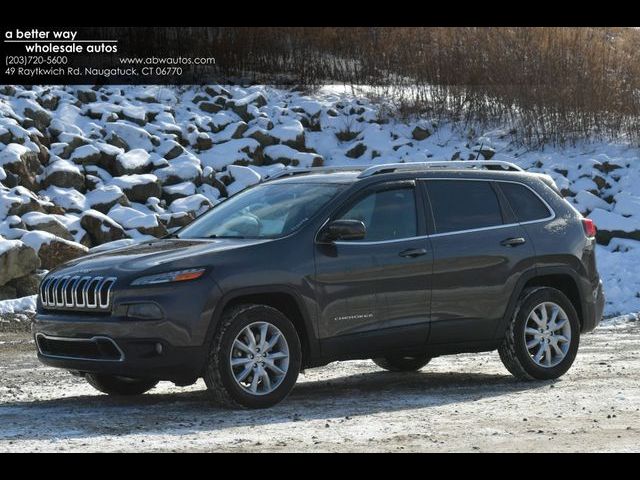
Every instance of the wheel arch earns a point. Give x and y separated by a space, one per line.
563 279
282 298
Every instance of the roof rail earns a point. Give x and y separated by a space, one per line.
393 167
286 172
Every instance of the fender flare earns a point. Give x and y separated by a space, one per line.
528 275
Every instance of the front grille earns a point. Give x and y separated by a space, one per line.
76 292
95 348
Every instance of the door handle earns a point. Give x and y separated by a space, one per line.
513 242
413 252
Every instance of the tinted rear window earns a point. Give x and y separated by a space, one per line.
463 205
525 204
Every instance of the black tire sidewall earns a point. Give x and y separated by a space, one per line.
116 385
246 317
398 363
530 302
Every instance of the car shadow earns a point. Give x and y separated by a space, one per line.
348 397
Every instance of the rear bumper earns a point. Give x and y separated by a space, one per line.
593 309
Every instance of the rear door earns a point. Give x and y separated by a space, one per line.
479 251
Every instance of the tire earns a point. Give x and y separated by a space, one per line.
520 359
226 382
116 385
402 364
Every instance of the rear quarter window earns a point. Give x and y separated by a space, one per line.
525 204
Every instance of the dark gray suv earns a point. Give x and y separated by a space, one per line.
399 263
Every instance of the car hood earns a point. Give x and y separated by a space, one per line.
179 253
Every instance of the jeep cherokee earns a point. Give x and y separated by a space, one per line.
399 263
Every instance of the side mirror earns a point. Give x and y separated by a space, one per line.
343 230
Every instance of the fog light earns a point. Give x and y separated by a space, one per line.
144 311
159 348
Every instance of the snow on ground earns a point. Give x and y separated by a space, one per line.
466 402
18 305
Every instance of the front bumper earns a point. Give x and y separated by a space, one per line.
173 347
134 349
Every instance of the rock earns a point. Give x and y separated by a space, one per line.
101 228
357 151
46 223
133 162
176 220
194 204
22 162
600 182
613 225
86 96
19 200
179 190
420 133
486 152
288 156
138 188
170 150
184 168
158 231
16 260
63 174
606 167
209 107
71 145
215 90
203 142
8 292
104 197
41 118
27 285
264 138
86 154
58 251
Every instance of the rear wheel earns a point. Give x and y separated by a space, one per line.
542 340
117 385
255 358
402 363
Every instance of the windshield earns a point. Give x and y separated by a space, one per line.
264 211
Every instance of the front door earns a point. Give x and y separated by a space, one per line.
376 289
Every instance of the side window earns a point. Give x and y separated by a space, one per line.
525 204
463 205
387 214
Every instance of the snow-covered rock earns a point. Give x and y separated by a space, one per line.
133 161
104 197
53 250
64 174
138 188
46 223
100 227
16 260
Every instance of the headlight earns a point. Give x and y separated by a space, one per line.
177 276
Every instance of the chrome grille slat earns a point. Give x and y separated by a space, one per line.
75 292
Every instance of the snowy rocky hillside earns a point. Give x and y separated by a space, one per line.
81 167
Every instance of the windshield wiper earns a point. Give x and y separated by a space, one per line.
225 236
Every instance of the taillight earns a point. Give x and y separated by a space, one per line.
589 227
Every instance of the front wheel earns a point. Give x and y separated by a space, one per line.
118 385
255 358
402 364
542 340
